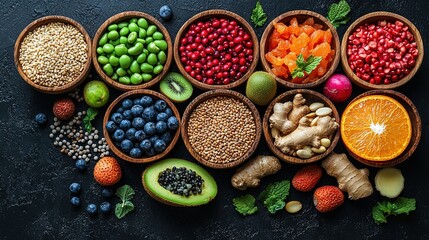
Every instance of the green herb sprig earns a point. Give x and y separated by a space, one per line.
337 13
125 193
382 210
91 113
274 196
305 65
245 204
258 17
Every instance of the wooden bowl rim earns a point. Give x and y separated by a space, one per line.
43 21
122 16
371 17
115 102
269 139
334 64
211 94
229 15
417 128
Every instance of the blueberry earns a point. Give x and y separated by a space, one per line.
106 192
172 123
166 137
149 114
145 145
153 139
41 119
165 12
126 145
127 114
80 164
160 105
127 103
118 135
149 128
138 123
116 117
75 201
161 127
140 135
137 101
137 110
111 126
151 152
169 112
161 117
120 110
146 101
74 187
135 153
125 124
130 134
91 208
160 145
105 207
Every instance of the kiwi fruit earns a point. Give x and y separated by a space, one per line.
176 87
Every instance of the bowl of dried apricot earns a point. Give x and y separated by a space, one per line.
301 48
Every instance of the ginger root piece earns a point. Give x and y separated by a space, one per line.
389 182
286 115
251 173
350 179
306 135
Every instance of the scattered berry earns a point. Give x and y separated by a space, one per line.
91 208
165 12
106 192
41 119
307 177
75 201
107 171
327 198
63 108
74 187
105 207
80 164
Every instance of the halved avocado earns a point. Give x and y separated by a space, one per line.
159 193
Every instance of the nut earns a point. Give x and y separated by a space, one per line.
293 206
316 105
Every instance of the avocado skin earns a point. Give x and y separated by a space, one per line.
157 192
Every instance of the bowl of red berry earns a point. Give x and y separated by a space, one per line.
216 49
141 126
381 50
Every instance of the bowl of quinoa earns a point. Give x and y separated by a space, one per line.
53 54
221 128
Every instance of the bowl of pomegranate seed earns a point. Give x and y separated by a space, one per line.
216 49
381 50
301 48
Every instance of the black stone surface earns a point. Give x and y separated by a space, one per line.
34 176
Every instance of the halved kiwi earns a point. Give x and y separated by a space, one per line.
176 87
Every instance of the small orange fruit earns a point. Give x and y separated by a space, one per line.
376 128
107 171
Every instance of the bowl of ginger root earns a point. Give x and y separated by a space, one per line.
301 126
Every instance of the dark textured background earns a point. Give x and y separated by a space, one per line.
34 176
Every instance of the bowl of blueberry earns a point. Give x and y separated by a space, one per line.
141 126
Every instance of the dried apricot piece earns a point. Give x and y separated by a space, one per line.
321 50
316 37
308 21
299 43
273 59
280 27
327 36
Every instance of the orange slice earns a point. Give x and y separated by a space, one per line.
376 128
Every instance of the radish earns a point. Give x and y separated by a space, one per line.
338 88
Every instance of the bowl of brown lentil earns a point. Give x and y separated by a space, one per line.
314 101
53 54
221 128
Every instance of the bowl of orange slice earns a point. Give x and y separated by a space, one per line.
300 48
381 128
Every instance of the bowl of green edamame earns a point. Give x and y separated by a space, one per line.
132 50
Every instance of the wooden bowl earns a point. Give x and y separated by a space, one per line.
218 14
310 96
124 16
43 21
208 95
371 18
132 94
416 124
301 16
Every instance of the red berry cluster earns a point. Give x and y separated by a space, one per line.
217 51
382 53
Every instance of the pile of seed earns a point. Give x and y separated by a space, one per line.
181 181
76 142
221 129
54 54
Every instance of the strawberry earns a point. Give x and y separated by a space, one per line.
307 177
327 198
107 171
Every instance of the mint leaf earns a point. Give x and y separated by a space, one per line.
312 63
337 13
297 72
382 210
125 193
258 16
300 61
274 195
91 113
305 66
245 204
405 205
378 215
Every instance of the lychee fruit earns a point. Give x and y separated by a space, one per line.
63 109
